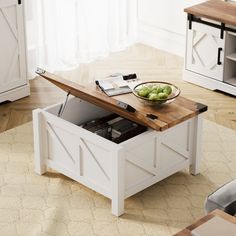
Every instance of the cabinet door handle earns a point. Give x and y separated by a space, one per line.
218 57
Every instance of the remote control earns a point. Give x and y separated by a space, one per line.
126 106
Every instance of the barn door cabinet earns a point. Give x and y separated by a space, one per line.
13 73
205 51
210 58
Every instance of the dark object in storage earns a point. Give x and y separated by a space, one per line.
115 128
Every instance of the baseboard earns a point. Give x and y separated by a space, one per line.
161 38
15 94
208 83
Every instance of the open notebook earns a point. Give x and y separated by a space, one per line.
216 226
115 85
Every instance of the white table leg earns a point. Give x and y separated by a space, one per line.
197 146
118 183
40 167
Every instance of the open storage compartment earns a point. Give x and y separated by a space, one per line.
117 171
105 124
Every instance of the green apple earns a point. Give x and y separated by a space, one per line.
167 89
143 92
153 96
162 95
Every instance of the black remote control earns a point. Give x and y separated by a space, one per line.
126 106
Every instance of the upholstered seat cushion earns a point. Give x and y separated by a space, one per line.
224 198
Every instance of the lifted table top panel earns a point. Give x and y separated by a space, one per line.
167 115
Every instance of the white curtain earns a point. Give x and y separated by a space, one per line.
63 33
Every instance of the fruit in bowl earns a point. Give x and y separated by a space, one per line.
156 92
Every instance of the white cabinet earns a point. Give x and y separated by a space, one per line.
210 58
13 73
205 51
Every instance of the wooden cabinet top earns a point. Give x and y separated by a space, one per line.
224 12
166 116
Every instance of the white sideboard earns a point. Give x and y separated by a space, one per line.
210 59
13 72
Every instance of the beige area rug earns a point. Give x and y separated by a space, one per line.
53 204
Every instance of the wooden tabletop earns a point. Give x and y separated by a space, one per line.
167 115
187 230
224 12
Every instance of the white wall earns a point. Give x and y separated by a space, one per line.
162 23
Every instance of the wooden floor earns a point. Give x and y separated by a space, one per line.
147 62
